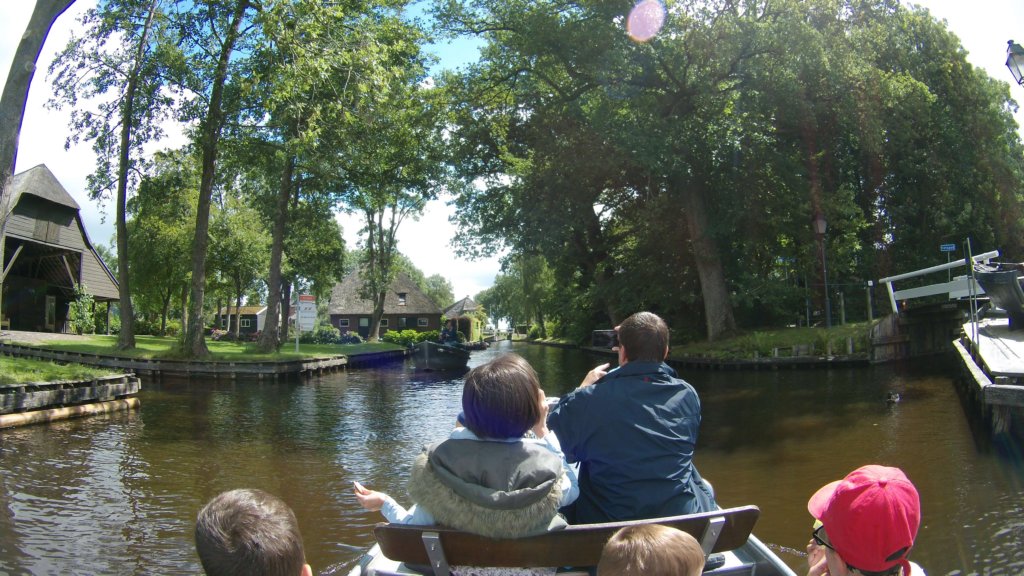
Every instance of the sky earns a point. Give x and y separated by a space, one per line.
983 27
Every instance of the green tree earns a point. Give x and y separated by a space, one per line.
239 250
163 212
123 62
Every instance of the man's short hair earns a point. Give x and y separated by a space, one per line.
651 550
249 532
645 337
501 399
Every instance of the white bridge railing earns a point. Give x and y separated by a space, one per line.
959 287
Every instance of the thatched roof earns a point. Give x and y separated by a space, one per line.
345 298
39 181
244 309
463 307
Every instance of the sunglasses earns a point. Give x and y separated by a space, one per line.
821 538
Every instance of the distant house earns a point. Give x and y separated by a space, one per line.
464 314
405 307
250 320
47 254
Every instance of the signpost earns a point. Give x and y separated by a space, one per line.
947 248
305 316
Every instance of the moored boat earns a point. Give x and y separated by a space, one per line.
429 355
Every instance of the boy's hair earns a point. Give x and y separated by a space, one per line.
645 337
651 550
248 531
501 399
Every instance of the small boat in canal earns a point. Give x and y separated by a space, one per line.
725 535
429 355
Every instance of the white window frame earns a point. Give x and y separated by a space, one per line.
422 322
342 322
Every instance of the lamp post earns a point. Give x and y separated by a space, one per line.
1015 61
820 226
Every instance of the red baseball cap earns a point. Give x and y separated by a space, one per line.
871 517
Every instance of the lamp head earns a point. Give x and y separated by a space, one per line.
1015 61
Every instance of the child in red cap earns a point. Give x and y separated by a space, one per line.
869 521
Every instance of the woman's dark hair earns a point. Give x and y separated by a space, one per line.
501 399
645 337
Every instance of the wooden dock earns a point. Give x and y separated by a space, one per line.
31 402
993 366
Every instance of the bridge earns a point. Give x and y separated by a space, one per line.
910 331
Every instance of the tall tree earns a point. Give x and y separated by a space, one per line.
15 95
127 54
214 28
393 166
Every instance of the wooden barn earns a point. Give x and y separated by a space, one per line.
405 307
47 254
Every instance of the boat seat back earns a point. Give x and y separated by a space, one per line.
575 545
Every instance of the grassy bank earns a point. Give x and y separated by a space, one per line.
22 370
165 348
766 343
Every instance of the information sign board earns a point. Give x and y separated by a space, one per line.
307 312
947 248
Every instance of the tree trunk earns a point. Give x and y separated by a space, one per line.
719 318
270 339
194 344
286 302
12 103
238 312
163 313
126 338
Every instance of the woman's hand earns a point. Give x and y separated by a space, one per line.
369 499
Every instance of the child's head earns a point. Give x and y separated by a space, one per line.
249 532
651 550
501 399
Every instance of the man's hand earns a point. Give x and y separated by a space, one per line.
594 375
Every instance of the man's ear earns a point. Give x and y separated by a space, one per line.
306 570
666 352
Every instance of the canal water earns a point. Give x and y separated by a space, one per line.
118 494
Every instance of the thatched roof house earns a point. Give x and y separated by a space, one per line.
406 307
49 253
464 314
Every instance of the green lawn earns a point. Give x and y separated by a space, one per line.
166 348
764 342
21 370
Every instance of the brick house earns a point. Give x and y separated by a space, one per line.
405 307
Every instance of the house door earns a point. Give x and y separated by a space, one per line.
51 312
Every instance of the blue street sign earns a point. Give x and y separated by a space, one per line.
947 247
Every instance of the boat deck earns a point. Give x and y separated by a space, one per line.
998 351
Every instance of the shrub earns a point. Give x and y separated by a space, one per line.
80 312
401 337
350 338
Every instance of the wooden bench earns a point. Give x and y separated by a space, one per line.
436 548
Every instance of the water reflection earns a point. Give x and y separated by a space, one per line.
118 494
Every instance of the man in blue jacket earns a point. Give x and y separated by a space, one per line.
633 431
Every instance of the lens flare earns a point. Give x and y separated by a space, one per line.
645 20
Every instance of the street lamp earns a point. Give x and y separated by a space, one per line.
820 226
1015 61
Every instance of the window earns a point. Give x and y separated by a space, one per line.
245 322
364 322
383 322
421 322
401 298
342 322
